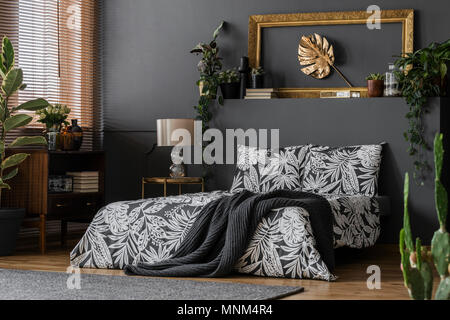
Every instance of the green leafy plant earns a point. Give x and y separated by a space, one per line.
258 71
421 74
10 118
229 76
417 261
375 76
209 67
54 116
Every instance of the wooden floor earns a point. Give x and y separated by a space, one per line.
351 270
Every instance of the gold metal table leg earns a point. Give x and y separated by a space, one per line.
165 188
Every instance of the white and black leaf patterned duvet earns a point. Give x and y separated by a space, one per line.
283 245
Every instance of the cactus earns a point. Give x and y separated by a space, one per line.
416 262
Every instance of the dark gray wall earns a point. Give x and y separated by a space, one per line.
149 74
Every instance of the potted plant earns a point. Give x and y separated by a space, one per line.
422 74
230 84
10 118
417 261
257 78
375 85
54 116
209 65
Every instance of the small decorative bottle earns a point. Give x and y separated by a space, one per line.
77 134
67 139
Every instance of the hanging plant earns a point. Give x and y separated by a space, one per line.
209 68
425 76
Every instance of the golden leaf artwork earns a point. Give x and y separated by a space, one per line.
317 54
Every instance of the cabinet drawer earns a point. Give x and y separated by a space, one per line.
60 206
88 205
73 206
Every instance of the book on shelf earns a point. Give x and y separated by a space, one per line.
83 174
85 180
85 185
264 93
262 96
263 90
85 190
259 98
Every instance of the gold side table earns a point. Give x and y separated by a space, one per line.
172 181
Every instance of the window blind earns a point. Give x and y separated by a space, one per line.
58 46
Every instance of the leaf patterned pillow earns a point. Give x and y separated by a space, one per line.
261 170
343 171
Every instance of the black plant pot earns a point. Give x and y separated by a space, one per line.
257 81
10 221
230 90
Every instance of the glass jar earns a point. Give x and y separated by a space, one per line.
391 85
52 139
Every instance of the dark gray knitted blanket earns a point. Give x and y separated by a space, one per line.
224 229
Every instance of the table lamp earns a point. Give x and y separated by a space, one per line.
165 130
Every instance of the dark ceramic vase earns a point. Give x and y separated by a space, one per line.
77 135
10 221
230 90
257 81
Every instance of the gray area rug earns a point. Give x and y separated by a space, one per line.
31 285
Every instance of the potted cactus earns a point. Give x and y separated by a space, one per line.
230 84
10 118
257 78
416 261
375 85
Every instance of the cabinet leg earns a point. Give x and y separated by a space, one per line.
42 234
63 232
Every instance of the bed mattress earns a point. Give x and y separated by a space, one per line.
283 245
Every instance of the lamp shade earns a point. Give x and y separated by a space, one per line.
166 127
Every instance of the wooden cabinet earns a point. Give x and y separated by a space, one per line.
29 189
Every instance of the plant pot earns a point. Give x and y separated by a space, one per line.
257 81
10 221
375 88
230 90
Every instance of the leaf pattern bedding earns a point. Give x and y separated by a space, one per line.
283 245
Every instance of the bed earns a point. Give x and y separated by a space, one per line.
283 245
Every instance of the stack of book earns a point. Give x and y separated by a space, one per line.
84 182
267 93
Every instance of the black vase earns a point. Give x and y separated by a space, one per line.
10 221
230 90
77 134
257 81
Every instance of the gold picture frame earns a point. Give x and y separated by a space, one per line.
258 22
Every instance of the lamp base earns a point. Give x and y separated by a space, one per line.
177 171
